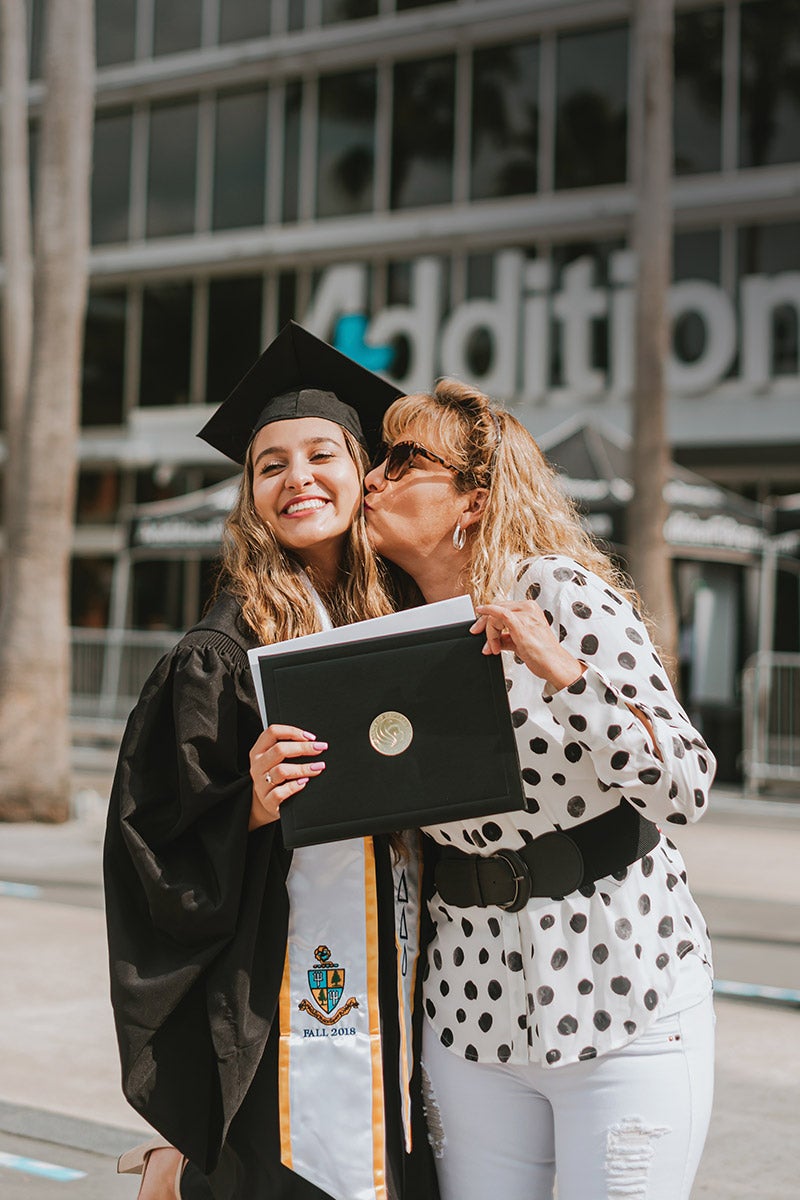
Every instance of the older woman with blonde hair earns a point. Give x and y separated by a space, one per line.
569 1023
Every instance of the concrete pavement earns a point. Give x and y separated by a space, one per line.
59 1084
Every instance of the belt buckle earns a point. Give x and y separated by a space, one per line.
522 880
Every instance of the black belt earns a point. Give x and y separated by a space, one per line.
553 864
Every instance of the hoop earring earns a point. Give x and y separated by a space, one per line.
459 537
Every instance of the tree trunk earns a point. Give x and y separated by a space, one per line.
34 620
650 561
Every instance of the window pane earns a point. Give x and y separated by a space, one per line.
698 91
296 15
115 31
695 255
97 498
346 143
111 176
505 115
240 19
291 150
234 333
287 298
401 4
422 135
90 592
166 344
171 171
347 10
770 85
176 26
157 594
103 359
591 99
240 159
35 38
771 250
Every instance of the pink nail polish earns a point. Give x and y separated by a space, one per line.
320 745
310 736
317 766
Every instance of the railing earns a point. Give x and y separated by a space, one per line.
771 694
109 667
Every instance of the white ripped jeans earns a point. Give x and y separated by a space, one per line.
627 1126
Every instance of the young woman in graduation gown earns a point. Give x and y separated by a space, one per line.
200 891
568 1027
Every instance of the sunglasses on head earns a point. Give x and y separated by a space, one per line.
397 459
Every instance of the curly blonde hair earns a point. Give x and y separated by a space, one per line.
265 577
527 511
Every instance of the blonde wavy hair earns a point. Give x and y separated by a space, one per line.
527 510
265 577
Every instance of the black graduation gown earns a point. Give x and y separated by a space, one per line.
196 911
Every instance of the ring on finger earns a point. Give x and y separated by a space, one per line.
268 779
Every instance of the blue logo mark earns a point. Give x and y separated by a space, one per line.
348 338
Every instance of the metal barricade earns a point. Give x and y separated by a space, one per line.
771 699
109 667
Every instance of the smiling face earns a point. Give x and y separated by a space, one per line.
306 487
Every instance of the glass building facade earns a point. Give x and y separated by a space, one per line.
458 172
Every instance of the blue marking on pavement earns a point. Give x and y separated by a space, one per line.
756 991
33 1166
28 891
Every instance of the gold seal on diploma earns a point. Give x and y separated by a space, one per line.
391 733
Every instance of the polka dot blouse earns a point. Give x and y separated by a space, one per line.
571 979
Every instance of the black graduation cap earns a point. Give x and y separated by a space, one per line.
299 375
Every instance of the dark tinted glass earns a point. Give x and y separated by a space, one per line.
166 344
240 150
505 115
346 143
115 25
97 497
695 255
591 98
158 595
111 176
287 298
243 19
291 149
35 36
90 592
698 91
172 169
103 359
422 134
402 4
176 25
234 333
769 122
771 250
347 10
296 15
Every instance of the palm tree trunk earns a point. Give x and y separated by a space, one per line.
34 620
650 562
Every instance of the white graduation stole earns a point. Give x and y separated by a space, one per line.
330 1066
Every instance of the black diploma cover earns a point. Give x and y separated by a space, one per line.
418 730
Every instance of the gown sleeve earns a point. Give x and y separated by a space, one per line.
195 906
666 781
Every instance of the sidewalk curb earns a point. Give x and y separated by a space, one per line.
61 1130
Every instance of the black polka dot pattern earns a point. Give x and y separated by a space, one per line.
568 980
